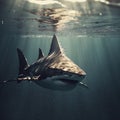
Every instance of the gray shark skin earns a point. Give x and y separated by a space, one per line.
54 71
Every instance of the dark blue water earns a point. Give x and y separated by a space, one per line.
88 32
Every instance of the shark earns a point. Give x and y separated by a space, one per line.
54 71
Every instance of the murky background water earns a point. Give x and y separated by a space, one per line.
89 33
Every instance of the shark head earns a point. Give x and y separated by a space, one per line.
54 71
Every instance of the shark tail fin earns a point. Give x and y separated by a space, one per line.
55 46
40 54
22 61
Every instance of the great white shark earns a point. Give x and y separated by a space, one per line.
54 71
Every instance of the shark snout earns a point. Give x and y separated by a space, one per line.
80 77
83 74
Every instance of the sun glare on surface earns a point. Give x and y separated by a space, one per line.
76 0
45 2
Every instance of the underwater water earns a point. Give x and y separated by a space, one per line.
89 33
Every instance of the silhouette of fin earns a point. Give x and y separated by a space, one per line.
55 47
22 61
40 54
83 84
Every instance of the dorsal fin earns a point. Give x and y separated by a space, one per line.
55 47
22 61
40 54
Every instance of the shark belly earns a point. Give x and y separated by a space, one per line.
57 83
